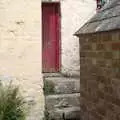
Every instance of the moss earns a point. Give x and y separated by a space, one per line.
48 87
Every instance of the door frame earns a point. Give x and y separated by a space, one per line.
59 32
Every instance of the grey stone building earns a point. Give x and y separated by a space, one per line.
100 65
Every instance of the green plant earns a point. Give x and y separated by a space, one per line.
12 105
48 88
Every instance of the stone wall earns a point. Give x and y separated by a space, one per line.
100 76
74 13
61 97
20 50
21 43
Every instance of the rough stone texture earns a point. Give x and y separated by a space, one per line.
62 97
20 50
100 76
61 101
70 113
62 85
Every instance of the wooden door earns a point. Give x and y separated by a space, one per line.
51 37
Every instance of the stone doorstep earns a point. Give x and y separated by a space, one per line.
61 85
62 101
62 78
70 113
46 75
75 75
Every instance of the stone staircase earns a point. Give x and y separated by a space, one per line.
61 97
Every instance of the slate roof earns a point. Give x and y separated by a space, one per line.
108 18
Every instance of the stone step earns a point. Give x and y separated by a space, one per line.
52 75
69 113
62 101
61 85
76 74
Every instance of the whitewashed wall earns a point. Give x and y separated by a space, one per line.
74 13
20 50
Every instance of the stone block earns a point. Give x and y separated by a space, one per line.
62 101
61 85
70 113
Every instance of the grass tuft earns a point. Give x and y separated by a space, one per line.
12 105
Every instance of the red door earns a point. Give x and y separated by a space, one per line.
51 37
